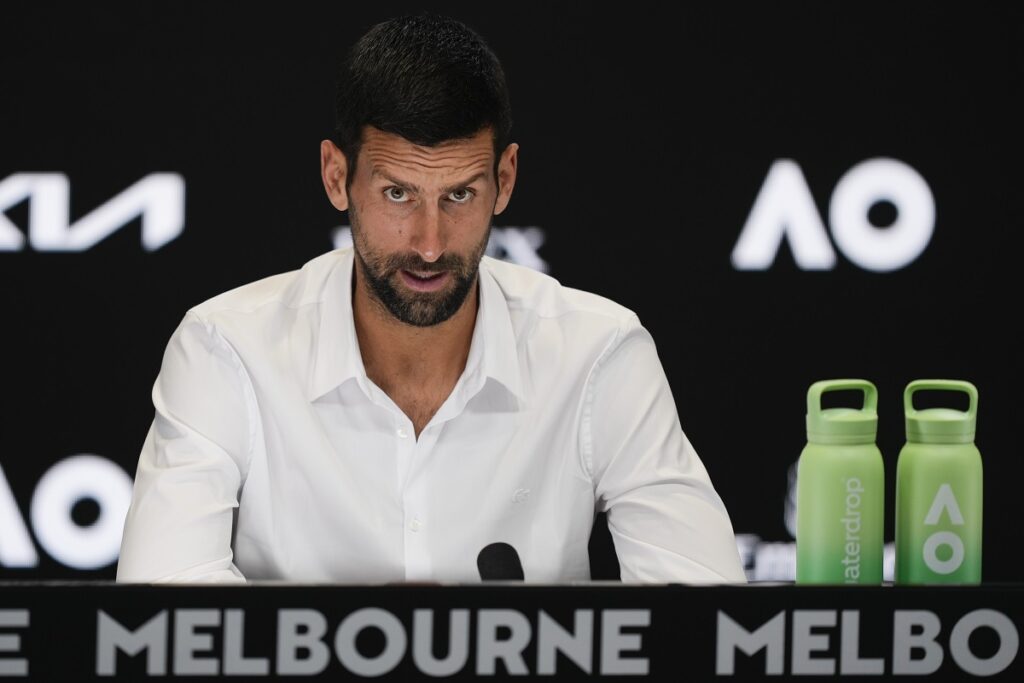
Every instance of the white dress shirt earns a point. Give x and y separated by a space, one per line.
272 455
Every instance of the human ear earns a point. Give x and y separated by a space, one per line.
506 177
334 171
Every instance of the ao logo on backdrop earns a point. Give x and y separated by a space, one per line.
62 486
784 208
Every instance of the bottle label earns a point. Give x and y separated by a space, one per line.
840 515
852 523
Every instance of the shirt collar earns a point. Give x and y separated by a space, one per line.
337 359
494 331
336 352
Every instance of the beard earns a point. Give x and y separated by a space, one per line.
421 309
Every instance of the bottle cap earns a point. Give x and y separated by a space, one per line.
842 425
940 425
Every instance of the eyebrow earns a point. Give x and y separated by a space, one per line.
416 188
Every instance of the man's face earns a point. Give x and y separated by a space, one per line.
420 221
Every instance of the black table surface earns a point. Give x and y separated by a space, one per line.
301 631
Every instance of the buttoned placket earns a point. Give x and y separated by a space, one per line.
414 486
411 454
408 449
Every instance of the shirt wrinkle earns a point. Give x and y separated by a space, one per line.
587 437
251 404
705 567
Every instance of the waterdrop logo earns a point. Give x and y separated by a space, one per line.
516 245
784 208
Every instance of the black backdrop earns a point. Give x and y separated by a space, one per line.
647 131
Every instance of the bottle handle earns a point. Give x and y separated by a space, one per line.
940 385
817 389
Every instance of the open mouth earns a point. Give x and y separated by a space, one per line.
424 277
423 281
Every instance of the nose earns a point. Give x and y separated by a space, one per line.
428 233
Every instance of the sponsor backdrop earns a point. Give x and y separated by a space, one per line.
783 194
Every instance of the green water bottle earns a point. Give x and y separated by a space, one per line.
840 491
938 491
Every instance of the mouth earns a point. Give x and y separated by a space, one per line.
423 281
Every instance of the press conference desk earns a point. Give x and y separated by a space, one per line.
280 631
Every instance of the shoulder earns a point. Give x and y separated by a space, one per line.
273 294
538 295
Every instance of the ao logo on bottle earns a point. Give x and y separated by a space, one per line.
944 501
784 208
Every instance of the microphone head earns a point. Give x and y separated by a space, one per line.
499 562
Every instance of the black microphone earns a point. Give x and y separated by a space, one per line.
499 562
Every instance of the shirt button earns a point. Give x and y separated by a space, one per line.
402 434
415 524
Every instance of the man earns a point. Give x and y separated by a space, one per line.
389 410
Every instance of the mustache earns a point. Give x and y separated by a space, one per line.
413 261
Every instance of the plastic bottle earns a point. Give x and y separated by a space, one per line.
840 511
939 491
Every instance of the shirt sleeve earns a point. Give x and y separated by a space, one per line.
666 519
179 524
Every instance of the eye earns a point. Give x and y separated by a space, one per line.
397 194
461 195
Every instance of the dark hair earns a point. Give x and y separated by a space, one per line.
424 77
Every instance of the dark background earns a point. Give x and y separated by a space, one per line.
646 132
